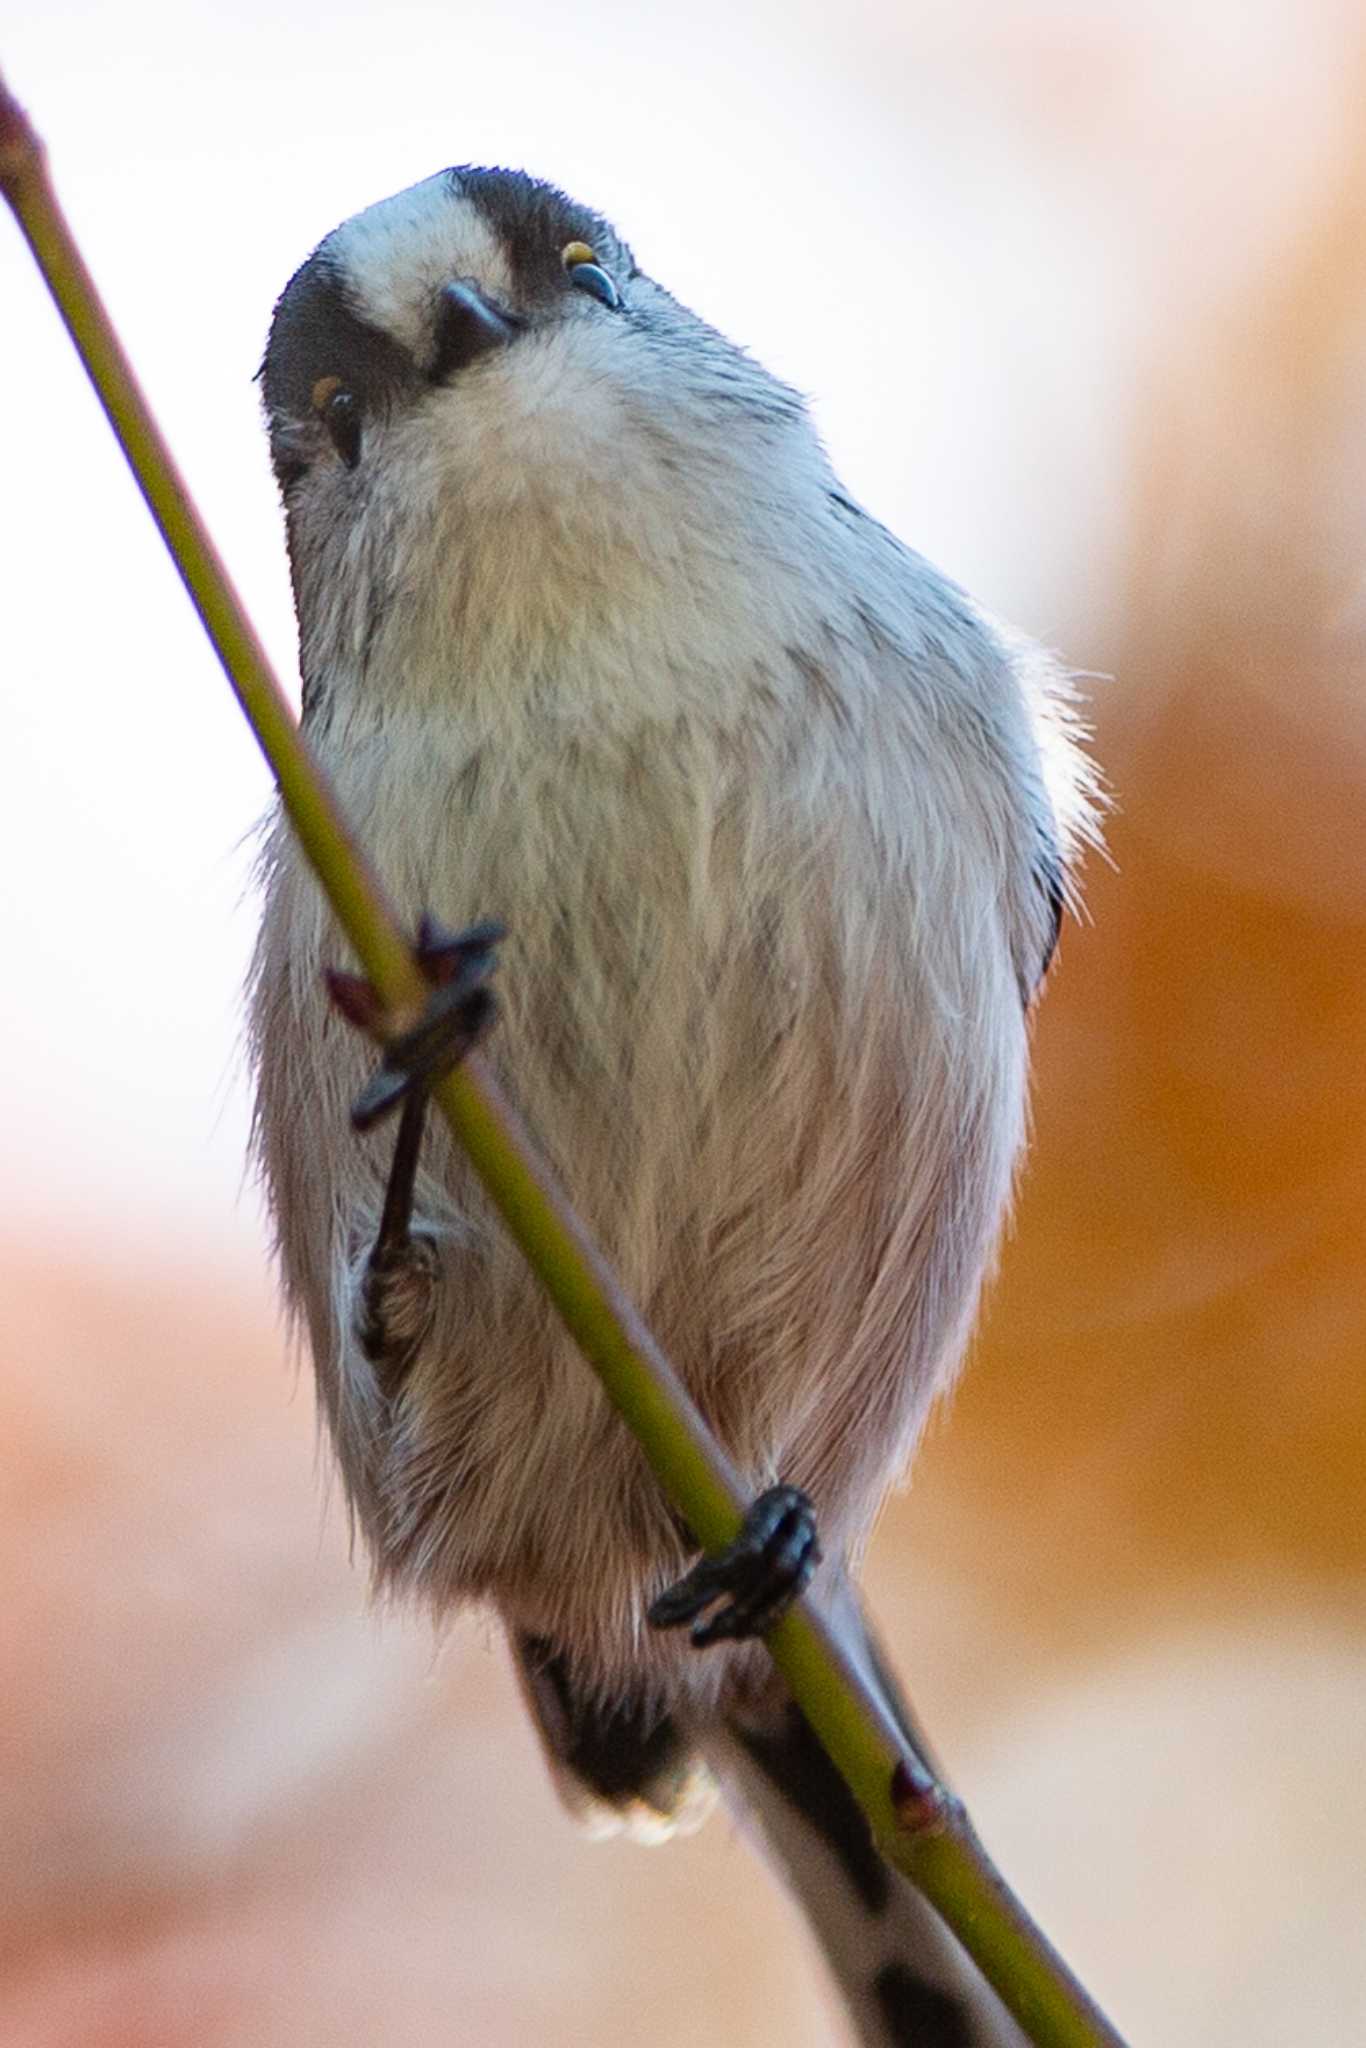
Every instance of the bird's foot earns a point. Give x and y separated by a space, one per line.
460 1009
397 1304
742 1590
398 1292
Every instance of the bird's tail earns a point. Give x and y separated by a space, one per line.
905 1980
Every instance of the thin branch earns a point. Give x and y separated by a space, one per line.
920 1826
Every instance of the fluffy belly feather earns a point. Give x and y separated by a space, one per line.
793 1140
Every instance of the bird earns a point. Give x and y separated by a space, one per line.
769 828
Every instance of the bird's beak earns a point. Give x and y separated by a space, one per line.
467 327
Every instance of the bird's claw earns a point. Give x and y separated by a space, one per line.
459 1010
744 1589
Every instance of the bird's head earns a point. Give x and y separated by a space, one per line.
472 384
433 305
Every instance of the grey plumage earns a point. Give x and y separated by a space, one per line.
592 640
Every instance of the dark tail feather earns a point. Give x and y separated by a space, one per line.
623 1769
905 1978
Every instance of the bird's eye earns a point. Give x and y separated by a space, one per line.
337 409
586 274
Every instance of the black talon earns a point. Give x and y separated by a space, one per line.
752 1582
458 1012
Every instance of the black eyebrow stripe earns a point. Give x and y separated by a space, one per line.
533 222
317 331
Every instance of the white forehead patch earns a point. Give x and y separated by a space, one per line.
400 252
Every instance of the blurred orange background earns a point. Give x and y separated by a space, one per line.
1128 1585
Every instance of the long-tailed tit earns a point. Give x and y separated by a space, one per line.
594 641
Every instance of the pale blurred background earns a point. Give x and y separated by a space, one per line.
1079 293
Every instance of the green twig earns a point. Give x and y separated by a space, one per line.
920 1827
